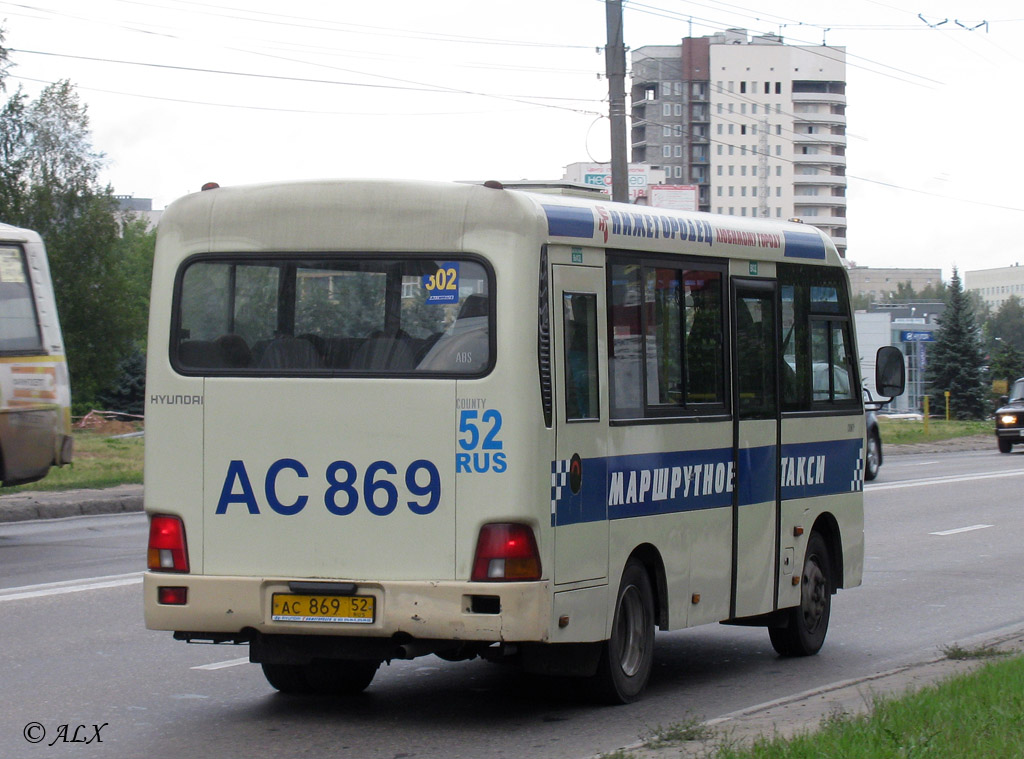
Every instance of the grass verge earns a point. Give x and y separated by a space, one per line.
100 461
972 715
691 729
899 431
959 653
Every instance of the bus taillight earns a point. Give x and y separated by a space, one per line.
167 550
506 552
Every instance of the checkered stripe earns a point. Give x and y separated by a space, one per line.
559 481
857 483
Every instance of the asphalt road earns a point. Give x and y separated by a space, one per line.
942 567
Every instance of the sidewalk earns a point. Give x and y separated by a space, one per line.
20 507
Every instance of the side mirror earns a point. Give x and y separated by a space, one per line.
890 372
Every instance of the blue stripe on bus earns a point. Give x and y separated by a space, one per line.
567 221
804 245
620 487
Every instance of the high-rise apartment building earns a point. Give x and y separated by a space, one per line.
759 126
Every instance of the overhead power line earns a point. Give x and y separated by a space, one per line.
808 45
522 99
272 109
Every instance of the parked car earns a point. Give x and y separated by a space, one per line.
1010 418
873 454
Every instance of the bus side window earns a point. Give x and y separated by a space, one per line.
817 365
19 327
579 312
832 381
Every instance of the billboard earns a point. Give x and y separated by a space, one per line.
641 177
678 197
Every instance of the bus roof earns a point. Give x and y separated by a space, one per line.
621 225
295 215
9 233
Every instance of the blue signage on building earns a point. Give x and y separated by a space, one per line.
916 336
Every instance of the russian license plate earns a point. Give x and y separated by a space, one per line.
289 607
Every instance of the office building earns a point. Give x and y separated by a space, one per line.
881 283
995 286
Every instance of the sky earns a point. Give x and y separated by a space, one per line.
183 92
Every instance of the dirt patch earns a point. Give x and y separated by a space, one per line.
108 424
111 428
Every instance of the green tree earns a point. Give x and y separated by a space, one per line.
1007 324
1007 362
956 358
127 393
904 292
49 182
135 249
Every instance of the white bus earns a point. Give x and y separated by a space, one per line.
35 394
390 419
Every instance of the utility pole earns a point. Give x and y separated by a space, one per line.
615 69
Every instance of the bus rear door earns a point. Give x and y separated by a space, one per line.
579 504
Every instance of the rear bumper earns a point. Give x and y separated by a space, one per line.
424 610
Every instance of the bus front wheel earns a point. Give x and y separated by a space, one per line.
873 459
804 633
627 655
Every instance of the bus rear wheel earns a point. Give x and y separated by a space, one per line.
807 624
627 655
324 676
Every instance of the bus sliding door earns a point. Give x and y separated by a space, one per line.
756 445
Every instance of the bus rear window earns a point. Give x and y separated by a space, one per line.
332 315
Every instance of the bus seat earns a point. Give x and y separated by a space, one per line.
235 351
385 353
289 353
200 354
466 352
338 351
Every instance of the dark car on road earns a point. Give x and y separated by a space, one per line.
873 453
1010 418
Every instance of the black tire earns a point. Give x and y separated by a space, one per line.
287 678
1005 446
330 677
808 623
872 457
626 657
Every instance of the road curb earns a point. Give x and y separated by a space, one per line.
22 507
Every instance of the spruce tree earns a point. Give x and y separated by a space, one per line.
956 358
